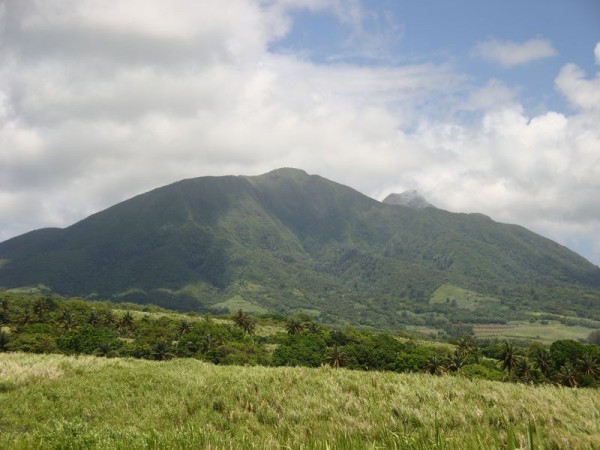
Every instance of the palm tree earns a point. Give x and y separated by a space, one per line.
567 375
66 320
337 358
465 345
109 318
4 311
40 308
244 322
4 340
161 351
435 365
184 328
543 361
126 323
294 326
93 319
524 369
589 365
313 327
455 361
508 357
25 318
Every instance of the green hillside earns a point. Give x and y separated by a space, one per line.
289 242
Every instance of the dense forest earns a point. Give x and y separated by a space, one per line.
46 324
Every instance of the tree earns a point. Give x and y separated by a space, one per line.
244 322
294 326
4 311
93 319
162 350
435 365
508 357
589 365
184 328
455 361
465 345
543 361
109 318
67 321
40 308
25 318
524 369
336 358
567 375
4 340
89 340
127 323
303 349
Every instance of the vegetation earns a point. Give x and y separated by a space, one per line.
54 401
74 326
289 243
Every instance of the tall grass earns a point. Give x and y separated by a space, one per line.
53 401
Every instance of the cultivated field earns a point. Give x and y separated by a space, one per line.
53 401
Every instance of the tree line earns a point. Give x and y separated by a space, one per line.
44 324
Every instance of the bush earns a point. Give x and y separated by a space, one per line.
89 340
300 350
32 343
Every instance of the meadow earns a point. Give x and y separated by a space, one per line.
58 401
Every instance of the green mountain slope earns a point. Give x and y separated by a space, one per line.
291 242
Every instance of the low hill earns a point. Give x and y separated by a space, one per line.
289 242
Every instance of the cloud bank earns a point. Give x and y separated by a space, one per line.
99 102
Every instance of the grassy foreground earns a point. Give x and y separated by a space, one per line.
55 401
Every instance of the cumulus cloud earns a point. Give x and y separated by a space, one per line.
579 91
510 54
101 102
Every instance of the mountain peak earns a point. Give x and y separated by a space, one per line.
412 199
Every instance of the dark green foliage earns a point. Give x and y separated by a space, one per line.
482 371
4 340
32 343
90 340
286 242
164 336
301 350
566 352
508 356
376 352
244 322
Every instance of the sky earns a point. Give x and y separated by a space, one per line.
482 106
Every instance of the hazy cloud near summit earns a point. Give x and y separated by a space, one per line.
99 102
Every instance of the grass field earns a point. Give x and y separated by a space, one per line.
53 401
553 331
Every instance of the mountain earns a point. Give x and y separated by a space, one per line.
412 199
289 242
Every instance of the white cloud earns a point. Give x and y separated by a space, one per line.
510 54
579 91
597 53
97 106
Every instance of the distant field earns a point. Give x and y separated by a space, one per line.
546 334
462 298
52 401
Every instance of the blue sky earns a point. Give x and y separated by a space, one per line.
488 107
407 32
